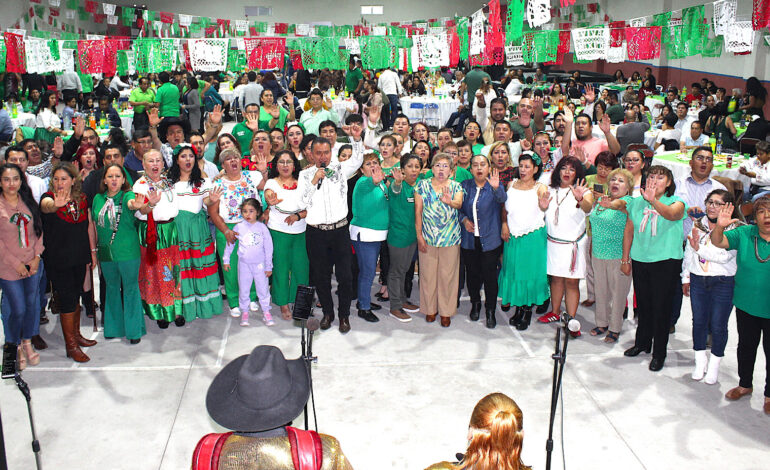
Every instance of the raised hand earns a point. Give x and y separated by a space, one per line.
525 144
725 218
374 114
605 125
61 199
215 195
568 116
445 197
215 116
590 94
58 147
271 198
579 189
355 130
289 97
275 112
580 154
252 121
648 193
153 118
377 175
544 200
397 174
537 104
153 197
261 163
494 178
80 127
694 239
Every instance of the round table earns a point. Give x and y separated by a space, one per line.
421 108
126 121
23 119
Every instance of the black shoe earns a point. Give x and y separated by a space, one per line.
516 318
179 321
671 331
43 318
372 306
109 337
135 341
326 322
656 364
491 320
368 316
527 317
475 311
505 308
625 313
635 350
344 325
542 308
163 324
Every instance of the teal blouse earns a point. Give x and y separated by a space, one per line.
666 242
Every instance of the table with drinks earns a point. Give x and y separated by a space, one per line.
19 117
415 107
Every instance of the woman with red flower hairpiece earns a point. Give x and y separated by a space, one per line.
197 252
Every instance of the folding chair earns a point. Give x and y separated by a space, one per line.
431 115
418 111
748 145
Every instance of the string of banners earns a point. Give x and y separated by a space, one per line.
493 35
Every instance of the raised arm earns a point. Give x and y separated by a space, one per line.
725 219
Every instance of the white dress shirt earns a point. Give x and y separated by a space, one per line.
329 203
389 83
38 186
47 119
69 81
762 170
709 260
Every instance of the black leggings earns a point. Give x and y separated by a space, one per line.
68 284
654 284
750 329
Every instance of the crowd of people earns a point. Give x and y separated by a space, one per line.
507 198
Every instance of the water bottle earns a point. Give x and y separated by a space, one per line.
719 144
684 92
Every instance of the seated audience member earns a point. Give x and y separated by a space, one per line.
721 126
495 437
107 112
263 437
758 169
669 135
615 110
695 138
631 131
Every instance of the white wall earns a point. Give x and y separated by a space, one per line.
10 11
307 11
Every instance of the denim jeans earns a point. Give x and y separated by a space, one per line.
20 308
394 105
711 298
366 254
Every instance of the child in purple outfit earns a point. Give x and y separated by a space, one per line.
255 260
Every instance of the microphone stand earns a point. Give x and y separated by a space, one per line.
24 388
559 357
309 360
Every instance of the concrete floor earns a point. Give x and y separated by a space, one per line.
398 396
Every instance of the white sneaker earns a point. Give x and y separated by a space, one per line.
235 312
253 306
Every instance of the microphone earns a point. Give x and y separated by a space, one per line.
572 324
312 325
318 186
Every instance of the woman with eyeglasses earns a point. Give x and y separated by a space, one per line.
633 161
708 278
436 204
751 295
286 221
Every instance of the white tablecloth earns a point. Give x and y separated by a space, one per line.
681 169
225 92
23 119
343 106
446 106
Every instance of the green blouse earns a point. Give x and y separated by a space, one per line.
752 278
125 245
265 118
401 232
666 243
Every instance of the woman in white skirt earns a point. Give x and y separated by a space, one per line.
565 221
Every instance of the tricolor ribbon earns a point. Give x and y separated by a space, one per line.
575 251
643 225
22 222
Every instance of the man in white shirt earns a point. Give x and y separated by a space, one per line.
390 84
324 191
251 93
683 124
758 169
70 85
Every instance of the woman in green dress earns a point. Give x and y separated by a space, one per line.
272 116
118 253
197 254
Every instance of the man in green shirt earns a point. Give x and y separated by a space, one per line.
473 82
615 111
167 97
141 98
354 79
242 132
32 102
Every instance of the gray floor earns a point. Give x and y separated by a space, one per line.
398 396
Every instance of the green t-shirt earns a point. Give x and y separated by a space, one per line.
265 118
352 78
370 205
519 129
139 96
401 231
667 243
476 149
125 246
473 82
461 174
243 135
752 278
168 97
607 226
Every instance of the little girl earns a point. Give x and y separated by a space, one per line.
255 260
